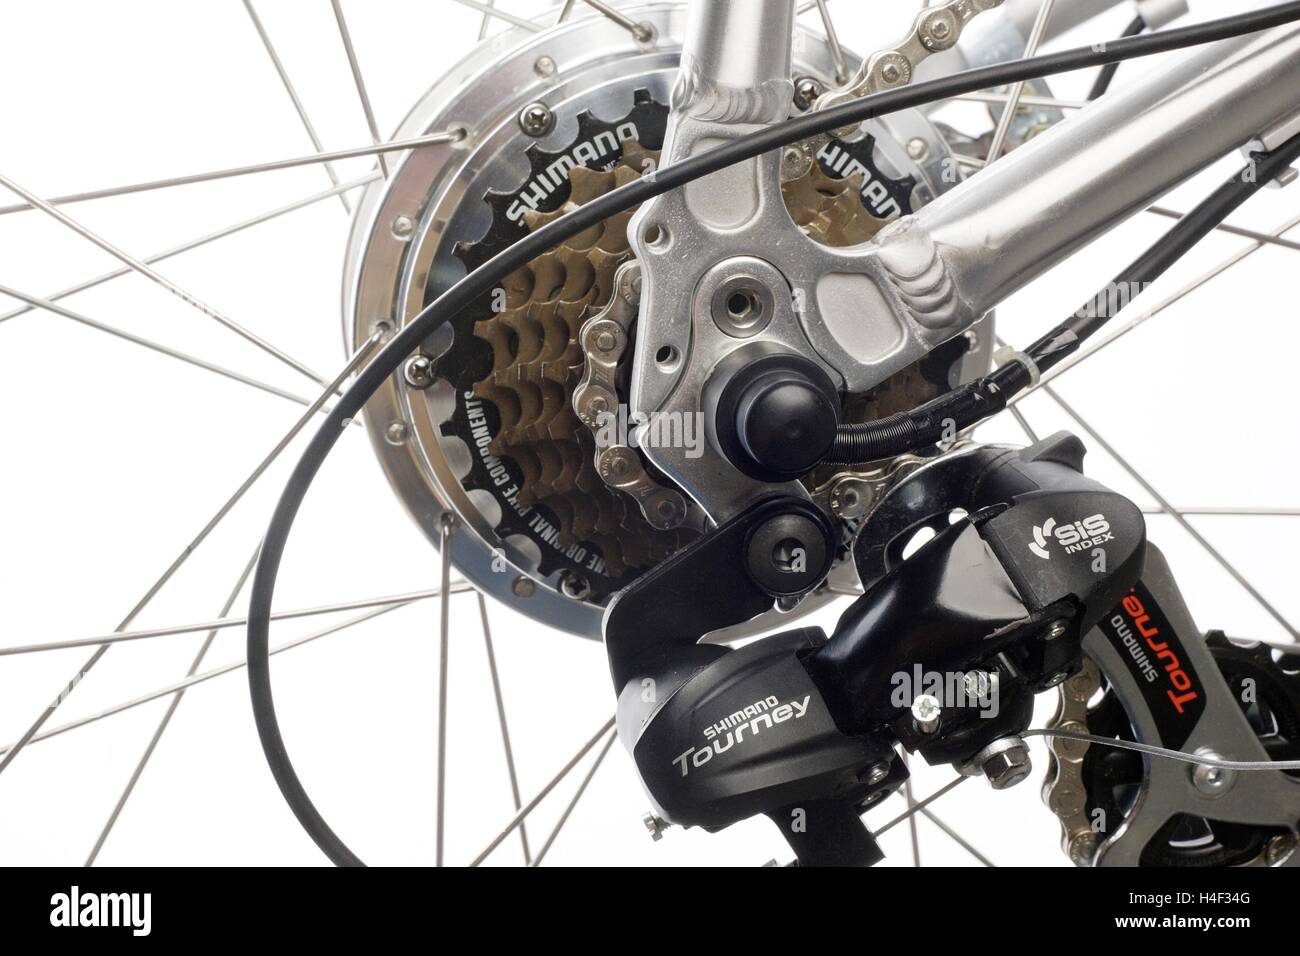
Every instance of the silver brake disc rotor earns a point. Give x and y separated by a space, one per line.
402 252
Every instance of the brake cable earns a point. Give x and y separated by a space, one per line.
482 279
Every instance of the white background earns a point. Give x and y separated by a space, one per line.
113 458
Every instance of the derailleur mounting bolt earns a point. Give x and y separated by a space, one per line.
1005 762
926 713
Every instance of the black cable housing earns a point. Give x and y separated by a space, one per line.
941 418
486 276
1107 72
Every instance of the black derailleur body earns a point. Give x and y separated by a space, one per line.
802 727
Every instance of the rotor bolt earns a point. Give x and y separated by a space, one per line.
655 826
418 371
536 119
926 713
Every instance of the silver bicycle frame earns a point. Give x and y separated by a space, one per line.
869 310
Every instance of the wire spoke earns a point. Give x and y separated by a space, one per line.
393 146
117 637
501 718
149 273
542 794
1017 90
1200 510
1155 310
919 806
168 714
1260 237
833 41
1174 513
357 360
487 21
911 822
360 82
489 10
210 674
640 31
293 96
444 640
1026 99
568 810
38 302
198 242
956 837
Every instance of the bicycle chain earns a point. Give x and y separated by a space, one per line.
935 29
1065 789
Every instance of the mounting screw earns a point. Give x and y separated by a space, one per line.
536 119
418 371
926 713
523 587
1212 781
806 91
917 148
397 433
403 228
878 772
574 585
1055 629
545 66
655 826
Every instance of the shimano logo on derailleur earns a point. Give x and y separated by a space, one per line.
740 726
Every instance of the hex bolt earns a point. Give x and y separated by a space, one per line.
1005 762
978 684
925 714
655 826
536 119
418 371
1056 629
